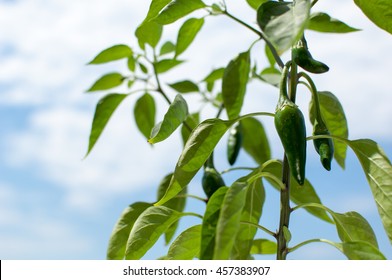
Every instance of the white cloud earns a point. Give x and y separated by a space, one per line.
29 231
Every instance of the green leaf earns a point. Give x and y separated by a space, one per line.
322 22
335 119
175 115
187 34
283 22
191 121
229 219
198 148
111 54
215 75
166 64
144 112
142 67
149 33
176 203
150 225
298 194
255 141
255 197
378 170
185 86
167 47
361 250
120 233
178 9
155 7
351 226
235 79
103 111
378 11
131 64
210 222
271 76
255 3
107 81
187 245
270 56
263 247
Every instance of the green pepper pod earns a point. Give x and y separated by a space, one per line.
303 58
323 146
234 142
290 125
211 180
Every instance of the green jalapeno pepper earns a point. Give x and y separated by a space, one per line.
290 125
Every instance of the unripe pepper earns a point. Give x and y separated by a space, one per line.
234 142
303 58
323 146
290 125
211 180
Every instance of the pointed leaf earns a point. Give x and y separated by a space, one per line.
155 7
176 203
150 225
351 226
378 11
263 247
298 194
107 81
198 148
210 222
255 3
120 233
187 34
187 245
111 54
144 113
229 220
185 86
178 9
335 119
283 22
175 115
166 64
255 197
149 33
322 22
235 79
191 122
271 76
361 250
378 170
255 141
103 111
167 47
215 75
131 63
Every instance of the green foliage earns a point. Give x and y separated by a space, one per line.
322 22
144 113
107 81
378 11
111 54
232 222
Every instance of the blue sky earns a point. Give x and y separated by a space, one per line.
54 205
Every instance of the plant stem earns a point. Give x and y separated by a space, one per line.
314 3
266 230
312 241
262 36
285 209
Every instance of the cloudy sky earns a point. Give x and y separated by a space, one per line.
55 205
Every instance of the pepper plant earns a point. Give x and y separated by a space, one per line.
231 216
